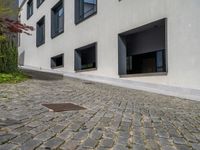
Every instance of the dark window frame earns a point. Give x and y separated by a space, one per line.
76 52
56 6
77 18
39 43
55 57
39 4
121 38
30 5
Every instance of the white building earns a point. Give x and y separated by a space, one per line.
151 45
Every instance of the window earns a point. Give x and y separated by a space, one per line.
29 9
57 19
85 57
84 9
39 2
40 32
143 50
21 58
57 61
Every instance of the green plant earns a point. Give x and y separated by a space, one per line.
8 57
12 77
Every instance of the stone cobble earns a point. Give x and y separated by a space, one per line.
114 119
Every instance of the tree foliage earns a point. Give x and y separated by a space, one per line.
9 26
8 57
8 20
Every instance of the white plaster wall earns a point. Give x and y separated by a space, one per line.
114 17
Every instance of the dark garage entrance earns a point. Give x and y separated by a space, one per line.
143 50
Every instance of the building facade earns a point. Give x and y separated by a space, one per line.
150 45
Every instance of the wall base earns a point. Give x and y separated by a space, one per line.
186 93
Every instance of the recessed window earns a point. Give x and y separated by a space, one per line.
39 2
143 50
85 58
29 9
40 37
57 19
57 61
84 9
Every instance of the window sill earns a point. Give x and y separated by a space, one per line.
56 34
84 19
85 70
28 17
57 67
143 74
38 5
40 44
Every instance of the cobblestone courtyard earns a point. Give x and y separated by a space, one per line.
116 118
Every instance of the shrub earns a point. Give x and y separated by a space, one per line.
8 57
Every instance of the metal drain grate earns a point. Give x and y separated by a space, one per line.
59 107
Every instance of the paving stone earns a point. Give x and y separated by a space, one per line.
6 137
138 147
54 143
149 133
90 143
66 134
44 136
80 135
57 129
182 147
162 134
8 147
152 144
164 142
180 141
120 147
96 134
75 127
22 138
138 140
132 119
196 146
107 143
70 145
167 147
31 145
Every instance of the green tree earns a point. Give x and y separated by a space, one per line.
9 28
8 20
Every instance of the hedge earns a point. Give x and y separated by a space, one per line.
8 57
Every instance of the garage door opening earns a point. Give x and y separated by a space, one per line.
143 50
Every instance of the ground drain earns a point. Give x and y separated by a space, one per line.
59 107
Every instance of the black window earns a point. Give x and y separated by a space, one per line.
39 2
29 9
57 61
85 57
57 19
40 32
143 50
84 9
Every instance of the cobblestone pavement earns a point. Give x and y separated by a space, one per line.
115 119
